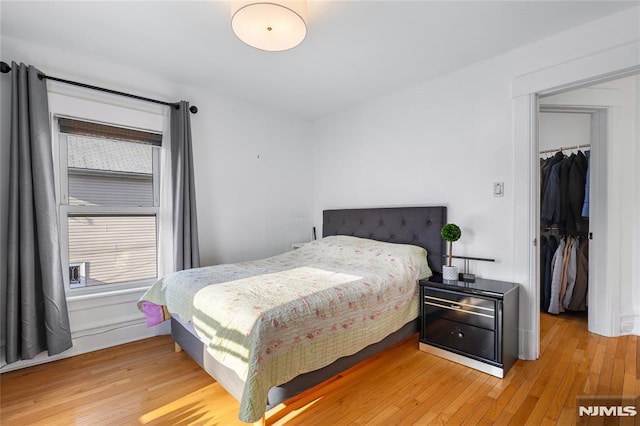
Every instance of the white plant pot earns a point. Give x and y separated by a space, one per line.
450 273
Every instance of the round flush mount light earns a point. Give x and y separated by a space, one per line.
272 26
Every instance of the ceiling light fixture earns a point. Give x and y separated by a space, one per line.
273 26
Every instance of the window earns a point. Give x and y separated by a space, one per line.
109 202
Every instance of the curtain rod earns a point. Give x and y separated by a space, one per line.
5 68
565 148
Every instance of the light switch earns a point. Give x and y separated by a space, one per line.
498 189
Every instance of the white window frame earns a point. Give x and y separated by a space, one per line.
66 210
116 114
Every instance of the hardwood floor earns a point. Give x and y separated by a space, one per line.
146 382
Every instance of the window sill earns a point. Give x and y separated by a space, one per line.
96 294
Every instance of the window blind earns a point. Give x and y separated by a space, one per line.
97 130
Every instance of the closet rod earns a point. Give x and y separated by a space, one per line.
5 68
565 148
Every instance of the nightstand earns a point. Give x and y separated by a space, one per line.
474 324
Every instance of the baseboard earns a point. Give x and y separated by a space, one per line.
96 339
527 345
630 324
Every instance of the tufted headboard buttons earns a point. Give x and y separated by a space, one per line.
404 225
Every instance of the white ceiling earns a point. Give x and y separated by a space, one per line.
354 51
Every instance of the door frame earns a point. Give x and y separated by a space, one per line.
602 66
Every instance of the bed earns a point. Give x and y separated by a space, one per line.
276 327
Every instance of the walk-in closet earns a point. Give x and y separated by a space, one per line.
565 136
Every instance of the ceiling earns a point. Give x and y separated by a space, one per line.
355 50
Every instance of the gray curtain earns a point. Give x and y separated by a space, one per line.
36 307
185 224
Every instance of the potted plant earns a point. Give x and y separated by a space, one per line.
450 233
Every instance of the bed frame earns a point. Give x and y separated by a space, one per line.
404 225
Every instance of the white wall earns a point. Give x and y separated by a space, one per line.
446 141
441 143
248 207
561 129
253 180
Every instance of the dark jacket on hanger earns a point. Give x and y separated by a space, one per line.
576 225
545 170
550 206
565 168
585 206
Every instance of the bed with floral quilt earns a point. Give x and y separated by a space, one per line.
265 323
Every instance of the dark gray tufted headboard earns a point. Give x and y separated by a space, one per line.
419 226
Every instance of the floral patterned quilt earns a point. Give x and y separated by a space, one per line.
273 319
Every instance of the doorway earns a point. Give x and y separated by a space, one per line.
573 138
610 111
613 318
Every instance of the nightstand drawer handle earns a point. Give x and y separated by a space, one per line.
458 304
458 309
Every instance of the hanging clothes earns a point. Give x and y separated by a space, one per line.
585 206
550 250
550 211
576 225
556 278
545 170
564 260
572 265
563 194
566 270
578 300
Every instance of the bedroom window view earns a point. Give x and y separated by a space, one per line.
112 250
110 202
109 173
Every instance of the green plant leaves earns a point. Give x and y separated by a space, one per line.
451 232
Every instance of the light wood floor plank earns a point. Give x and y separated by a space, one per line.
551 393
148 383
